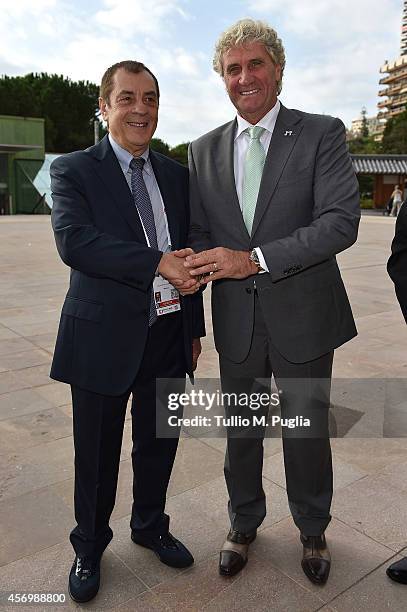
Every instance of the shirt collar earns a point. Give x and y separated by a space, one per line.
267 122
124 157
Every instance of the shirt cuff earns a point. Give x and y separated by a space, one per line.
261 259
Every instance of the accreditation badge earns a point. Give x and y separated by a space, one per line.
166 297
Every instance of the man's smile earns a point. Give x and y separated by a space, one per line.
138 124
249 92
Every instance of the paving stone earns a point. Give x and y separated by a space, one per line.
32 429
376 508
118 583
57 393
369 455
195 464
36 467
257 588
374 593
353 555
16 344
32 522
18 403
26 359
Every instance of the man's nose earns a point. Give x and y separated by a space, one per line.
245 76
139 107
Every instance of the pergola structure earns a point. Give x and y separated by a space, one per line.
388 171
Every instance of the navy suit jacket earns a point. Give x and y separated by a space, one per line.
397 264
98 233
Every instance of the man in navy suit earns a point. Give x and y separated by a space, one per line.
120 218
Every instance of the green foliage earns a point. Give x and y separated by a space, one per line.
160 146
365 129
366 185
363 145
395 135
179 152
68 107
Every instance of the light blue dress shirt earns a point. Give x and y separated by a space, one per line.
160 218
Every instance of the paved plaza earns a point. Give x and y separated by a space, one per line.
369 526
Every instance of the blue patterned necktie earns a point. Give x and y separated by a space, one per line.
253 171
145 209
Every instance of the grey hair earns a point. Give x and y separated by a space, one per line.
247 31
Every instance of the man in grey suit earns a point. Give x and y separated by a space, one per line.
274 199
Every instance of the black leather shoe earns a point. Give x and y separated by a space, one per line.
234 553
398 571
316 559
169 550
84 579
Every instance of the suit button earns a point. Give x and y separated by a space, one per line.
248 290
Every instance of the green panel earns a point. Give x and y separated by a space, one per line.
23 131
4 185
27 199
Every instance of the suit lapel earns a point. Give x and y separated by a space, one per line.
287 129
111 174
166 184
224 163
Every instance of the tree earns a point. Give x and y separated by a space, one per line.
395 135
180 153
68 107
160 146
364 132
363 143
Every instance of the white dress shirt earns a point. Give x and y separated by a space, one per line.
241 146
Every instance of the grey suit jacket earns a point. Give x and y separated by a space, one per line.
307 212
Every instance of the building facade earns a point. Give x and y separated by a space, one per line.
394 94
372 125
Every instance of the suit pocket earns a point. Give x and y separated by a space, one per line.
83 309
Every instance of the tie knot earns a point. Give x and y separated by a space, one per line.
255 132
137 163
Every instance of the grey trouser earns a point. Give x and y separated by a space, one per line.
308 464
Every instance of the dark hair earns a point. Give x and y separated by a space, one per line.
106 86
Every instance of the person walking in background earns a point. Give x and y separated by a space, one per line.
273 199
119 211
397 196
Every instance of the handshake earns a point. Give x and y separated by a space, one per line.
187 270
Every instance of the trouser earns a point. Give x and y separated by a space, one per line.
98 422
304 391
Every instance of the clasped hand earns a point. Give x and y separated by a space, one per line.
172 268
220 262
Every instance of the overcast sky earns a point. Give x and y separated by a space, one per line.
334 50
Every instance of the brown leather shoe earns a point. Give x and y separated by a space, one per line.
316 558
233 556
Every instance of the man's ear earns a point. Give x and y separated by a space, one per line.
103 108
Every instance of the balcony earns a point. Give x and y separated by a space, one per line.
395 76
391 90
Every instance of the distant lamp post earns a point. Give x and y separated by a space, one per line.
96 130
